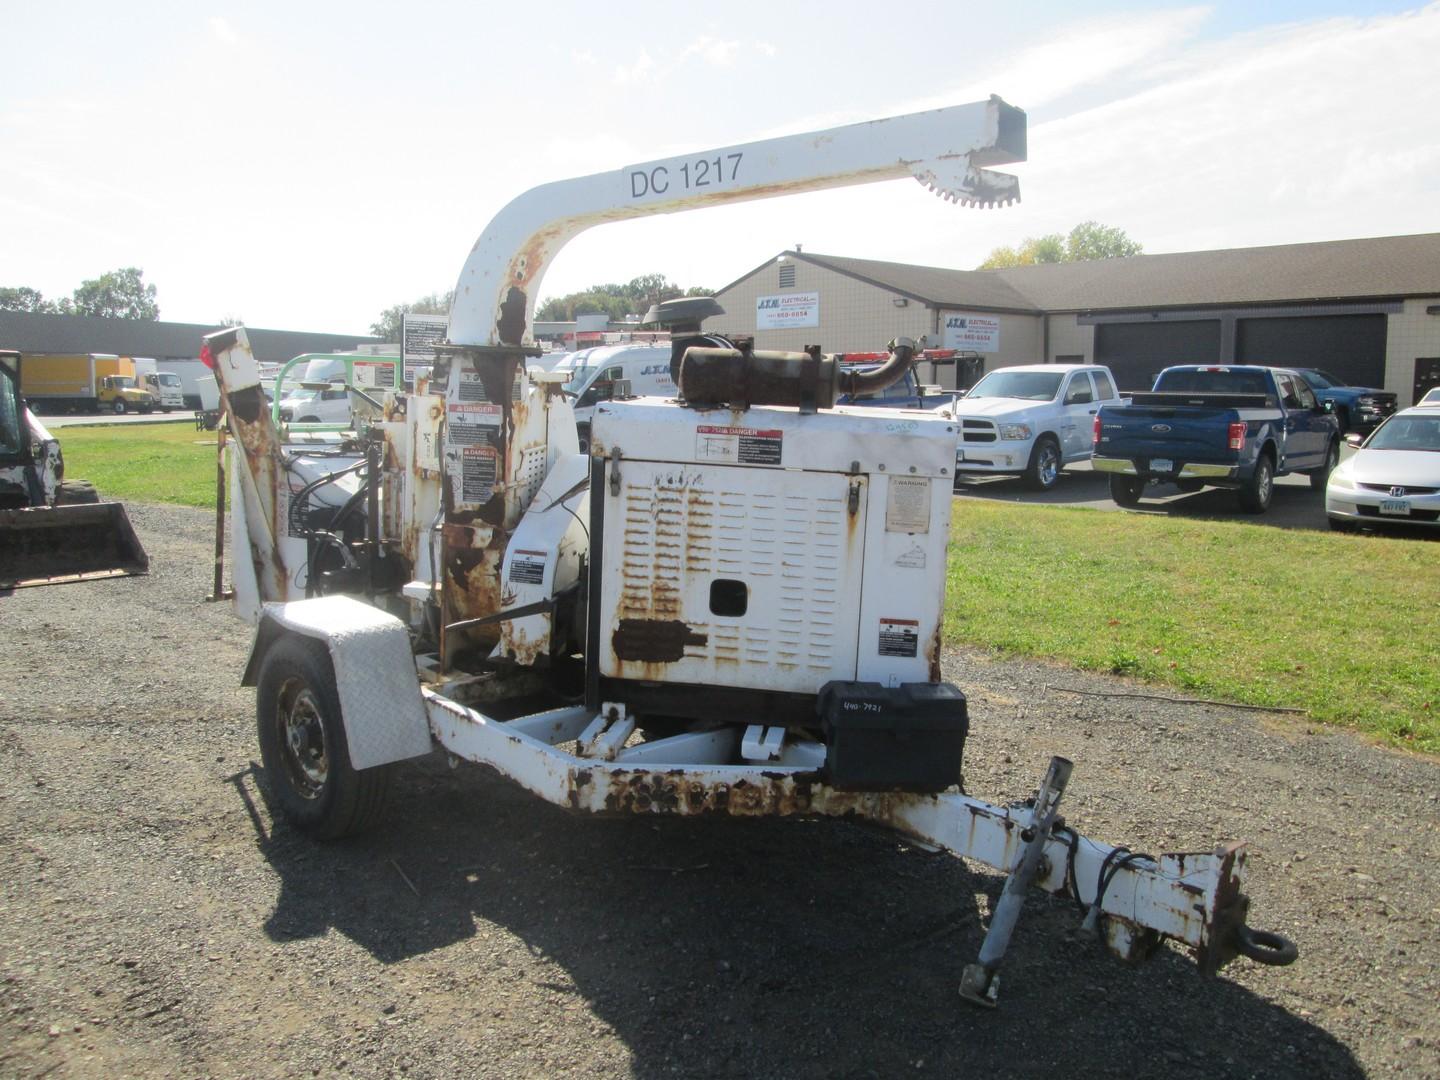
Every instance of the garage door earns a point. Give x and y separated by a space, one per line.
1350 346
1137 352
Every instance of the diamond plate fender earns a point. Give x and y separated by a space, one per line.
380 705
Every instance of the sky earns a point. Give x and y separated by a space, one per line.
305 165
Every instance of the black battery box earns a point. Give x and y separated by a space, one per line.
893 738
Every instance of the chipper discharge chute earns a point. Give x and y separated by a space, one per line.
52 531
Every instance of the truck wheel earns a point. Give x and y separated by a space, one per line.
1126 490
303 747
1044 468
119 407
1321 476
1256 494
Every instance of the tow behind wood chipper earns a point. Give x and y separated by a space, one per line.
740 589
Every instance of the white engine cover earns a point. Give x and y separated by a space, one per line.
771 550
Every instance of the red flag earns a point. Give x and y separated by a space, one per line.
207 357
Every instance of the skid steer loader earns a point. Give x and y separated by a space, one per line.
52 530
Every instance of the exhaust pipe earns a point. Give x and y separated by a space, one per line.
740 377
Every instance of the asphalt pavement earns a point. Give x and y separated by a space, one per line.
1294 506
106 419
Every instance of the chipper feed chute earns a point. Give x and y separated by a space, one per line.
51 545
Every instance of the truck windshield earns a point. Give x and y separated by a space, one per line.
1212 381
122 382
1320 380
1027 385
168 378
580 377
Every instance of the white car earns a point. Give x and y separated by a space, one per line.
1393 478
1032 420
1432 397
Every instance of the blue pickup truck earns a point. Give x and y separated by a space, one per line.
1357 408
1232 426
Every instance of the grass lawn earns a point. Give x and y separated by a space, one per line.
1346 627
165 463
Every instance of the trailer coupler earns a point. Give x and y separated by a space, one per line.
1133 901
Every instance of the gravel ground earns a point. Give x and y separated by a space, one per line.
156 920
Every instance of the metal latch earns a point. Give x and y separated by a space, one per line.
615 471
853 503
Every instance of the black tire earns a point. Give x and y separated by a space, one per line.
1043 471
119 407
76 493
303 747
1321 476
1255 496
1341 525
1126 490
308 420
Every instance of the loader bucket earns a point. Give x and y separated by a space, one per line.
51 545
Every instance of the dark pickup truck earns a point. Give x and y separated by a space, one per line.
1234 426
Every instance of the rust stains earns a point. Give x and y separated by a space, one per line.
654 640
932 654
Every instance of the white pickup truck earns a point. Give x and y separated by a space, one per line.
1031 420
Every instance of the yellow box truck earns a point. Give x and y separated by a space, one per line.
84 382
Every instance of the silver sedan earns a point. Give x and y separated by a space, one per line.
1393 478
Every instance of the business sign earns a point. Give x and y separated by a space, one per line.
978 332
419 334
787 310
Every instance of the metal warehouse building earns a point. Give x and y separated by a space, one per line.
1365 310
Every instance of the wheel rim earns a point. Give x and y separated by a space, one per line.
1048 467
302 739
1264 482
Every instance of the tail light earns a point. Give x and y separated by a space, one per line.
1237 435
1095 431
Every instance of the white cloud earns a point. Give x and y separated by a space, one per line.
641 70
222 31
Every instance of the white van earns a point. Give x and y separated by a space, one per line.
596 371
327 403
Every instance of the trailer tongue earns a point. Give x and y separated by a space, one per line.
740 590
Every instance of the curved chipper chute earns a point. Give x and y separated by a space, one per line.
51 531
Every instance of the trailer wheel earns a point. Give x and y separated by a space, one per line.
303 747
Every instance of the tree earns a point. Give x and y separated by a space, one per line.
25 299
120 294
1091 240
616 301
390 324
1088 240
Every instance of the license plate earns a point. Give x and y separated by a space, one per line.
1161 464
1395 506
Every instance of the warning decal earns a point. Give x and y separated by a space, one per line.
477 473
899 637
743 446
527 568
907 505
471 387
472 422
